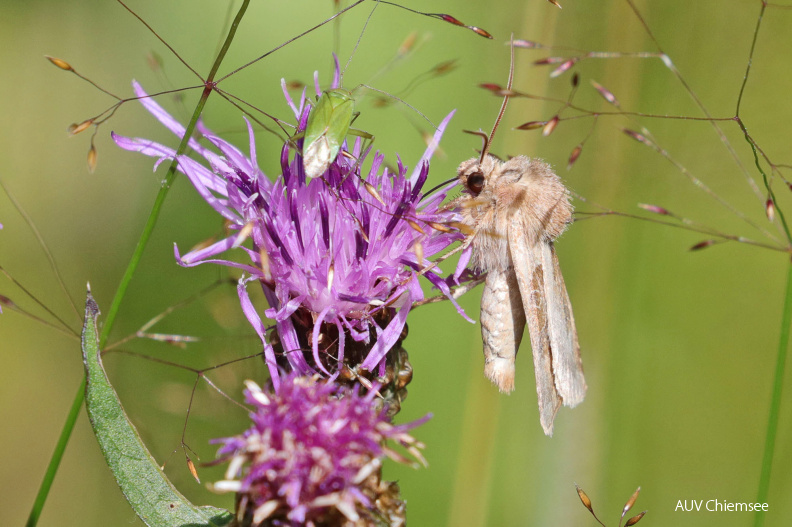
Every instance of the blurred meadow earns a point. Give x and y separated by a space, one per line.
678 347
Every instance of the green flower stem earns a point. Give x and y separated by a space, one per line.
57 455
171 175
148 229
775 403
68 427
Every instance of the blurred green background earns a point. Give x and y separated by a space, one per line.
679 347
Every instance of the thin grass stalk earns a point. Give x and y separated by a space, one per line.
148 229
775 403
57 455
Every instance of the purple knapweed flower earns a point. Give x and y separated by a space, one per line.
313 456
337 257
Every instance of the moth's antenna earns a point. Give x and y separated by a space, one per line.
488 141
441 185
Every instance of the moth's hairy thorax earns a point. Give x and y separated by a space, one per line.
520 193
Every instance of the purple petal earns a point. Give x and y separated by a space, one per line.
442 285
252 316
430 149
288 337
252 270
387 338
316 84
200 254
289 100
315 346
464 258
336 73
164 117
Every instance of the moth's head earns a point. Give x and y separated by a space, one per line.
474 174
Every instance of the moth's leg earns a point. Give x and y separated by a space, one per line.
461 247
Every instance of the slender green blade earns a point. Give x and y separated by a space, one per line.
153 497
775 403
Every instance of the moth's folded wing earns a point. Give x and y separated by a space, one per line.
567 366
502 326
527 262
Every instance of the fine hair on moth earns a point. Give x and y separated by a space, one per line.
516 209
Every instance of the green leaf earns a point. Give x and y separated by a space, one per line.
153 497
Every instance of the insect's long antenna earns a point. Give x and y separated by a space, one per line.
441 185
161 40
488 141
357 44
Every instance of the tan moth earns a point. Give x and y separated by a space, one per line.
516 209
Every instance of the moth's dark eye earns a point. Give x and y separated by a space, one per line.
475 183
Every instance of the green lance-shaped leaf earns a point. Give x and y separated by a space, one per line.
328 126
153 497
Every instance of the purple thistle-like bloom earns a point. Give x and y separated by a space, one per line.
335 263
313 456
